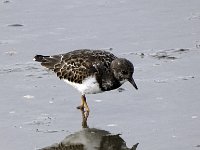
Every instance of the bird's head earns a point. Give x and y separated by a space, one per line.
123 70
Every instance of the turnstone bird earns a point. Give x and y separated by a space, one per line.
90 71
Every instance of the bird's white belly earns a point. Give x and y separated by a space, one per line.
88 86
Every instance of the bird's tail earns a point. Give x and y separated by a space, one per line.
40 58
47 61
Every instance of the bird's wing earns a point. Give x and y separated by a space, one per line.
66 66
77 65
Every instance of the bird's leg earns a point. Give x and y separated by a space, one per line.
84 113
84 106
87 110
84 119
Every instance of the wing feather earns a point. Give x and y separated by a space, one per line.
77 65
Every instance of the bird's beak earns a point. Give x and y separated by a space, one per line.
131 80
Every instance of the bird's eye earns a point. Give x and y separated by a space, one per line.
124 72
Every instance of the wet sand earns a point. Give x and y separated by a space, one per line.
160 38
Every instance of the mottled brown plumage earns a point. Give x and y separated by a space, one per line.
90 71
77 65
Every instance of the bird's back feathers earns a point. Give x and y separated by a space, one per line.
77 65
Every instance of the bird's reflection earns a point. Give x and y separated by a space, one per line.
91 139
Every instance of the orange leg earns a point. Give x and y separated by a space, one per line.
84 119
84 105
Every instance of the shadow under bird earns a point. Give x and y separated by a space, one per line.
90 71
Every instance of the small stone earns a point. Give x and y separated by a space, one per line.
173 136
112 125
6 2
51 102
194 117
15 25
98 100
12 112
28 96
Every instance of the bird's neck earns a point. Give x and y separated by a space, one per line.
109 83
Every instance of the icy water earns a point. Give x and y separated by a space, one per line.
161 38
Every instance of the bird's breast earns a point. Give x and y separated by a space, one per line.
88 86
